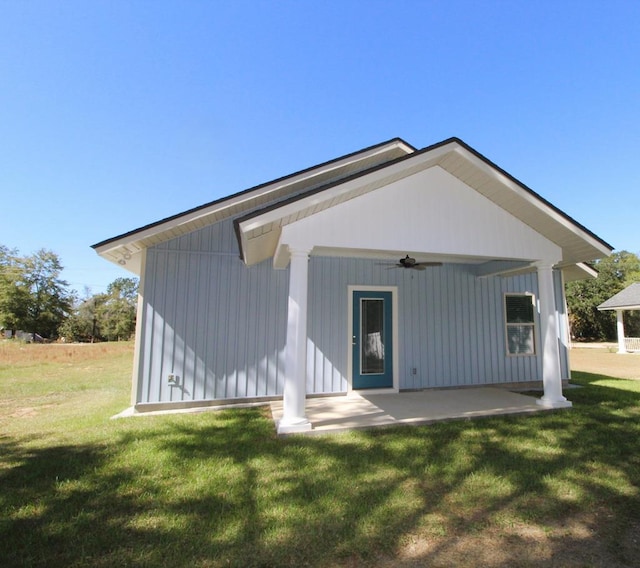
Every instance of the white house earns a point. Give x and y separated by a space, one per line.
625 300
390 268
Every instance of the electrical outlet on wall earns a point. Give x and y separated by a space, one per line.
172 379
414 371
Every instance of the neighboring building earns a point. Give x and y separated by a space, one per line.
21 335
390 268
625 300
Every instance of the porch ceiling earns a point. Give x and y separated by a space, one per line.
395 255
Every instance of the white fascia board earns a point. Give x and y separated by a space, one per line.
410 166
578 271
621 308
137 236
241 198
589 272
375 179
531 198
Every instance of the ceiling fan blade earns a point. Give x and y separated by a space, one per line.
409 262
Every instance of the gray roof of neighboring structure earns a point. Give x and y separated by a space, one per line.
627 299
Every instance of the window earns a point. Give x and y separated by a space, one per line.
520 324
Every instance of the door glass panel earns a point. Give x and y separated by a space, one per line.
371 336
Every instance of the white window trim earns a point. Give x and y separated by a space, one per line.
533 324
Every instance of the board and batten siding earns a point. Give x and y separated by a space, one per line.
451 325
216 324
220 326
563 325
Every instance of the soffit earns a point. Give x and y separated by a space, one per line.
126 249
579 271
577 243
259 232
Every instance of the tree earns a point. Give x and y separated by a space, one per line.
33 298
583 298
104 317
117 313
13 295
82 324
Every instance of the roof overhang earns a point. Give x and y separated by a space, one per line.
261 212
578 271
625 308
125 250
626 299
259 232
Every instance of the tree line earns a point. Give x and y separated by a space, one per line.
36 301
615 273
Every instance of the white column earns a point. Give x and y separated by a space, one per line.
620 327
294 417
551 375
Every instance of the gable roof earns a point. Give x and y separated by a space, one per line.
261 212
258 231
627 299
125 249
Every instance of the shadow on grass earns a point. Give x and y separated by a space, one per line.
219 489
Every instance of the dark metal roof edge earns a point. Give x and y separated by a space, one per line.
532 192
249 190
288 200
409 156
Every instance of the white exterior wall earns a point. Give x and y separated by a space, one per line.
431 211
220 326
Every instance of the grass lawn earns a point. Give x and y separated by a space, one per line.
219 489
606 362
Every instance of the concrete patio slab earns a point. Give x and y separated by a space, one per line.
330 415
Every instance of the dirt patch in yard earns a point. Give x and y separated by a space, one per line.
605 361
578 542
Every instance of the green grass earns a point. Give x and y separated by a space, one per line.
219 489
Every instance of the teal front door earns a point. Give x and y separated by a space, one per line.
372 341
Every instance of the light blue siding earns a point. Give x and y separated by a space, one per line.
563 325
451 324
220 326
217 324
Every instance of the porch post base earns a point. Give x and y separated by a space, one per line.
294 425
560 402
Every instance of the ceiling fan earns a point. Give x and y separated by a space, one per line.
409 262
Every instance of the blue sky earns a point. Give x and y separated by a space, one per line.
115 114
